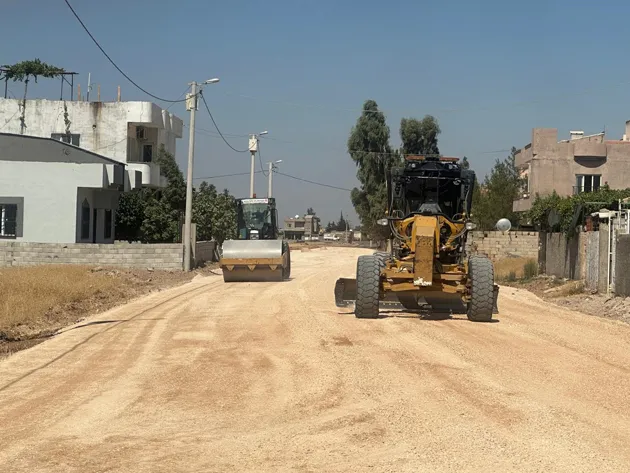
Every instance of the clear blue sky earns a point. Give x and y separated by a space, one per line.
489 71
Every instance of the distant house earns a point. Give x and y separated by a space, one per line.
52 192
299 228
580 164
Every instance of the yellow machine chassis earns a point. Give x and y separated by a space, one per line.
421 274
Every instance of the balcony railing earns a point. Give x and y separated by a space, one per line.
584 189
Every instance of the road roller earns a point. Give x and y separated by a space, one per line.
257 254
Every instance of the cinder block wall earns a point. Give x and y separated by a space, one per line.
204 251
498 245
134 255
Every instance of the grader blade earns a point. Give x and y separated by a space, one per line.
495 309
346 295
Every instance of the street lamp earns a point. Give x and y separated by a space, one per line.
253 149
272 166
191 106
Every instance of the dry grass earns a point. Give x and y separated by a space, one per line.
29 294
571 288
37 301
512 268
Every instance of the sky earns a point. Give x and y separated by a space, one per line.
489 71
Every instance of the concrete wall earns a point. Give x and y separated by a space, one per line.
622 275
497 245
205 251
127 255
50 197
591 260
158 256
565 256
103 126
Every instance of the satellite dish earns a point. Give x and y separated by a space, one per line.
504 225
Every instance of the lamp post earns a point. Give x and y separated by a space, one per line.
191 106
253 149
272 166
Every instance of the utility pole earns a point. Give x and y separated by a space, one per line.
253 149
191 105
272 166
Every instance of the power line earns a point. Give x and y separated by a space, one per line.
215 125
113 63
313 182
214 134
226 175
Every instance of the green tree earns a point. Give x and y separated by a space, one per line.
23 71
156 215
310 211
493 199
203 210
130 214
420 136
165 208
369 148
224 223
340 225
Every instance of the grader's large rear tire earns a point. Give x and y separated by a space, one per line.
481 274
368 286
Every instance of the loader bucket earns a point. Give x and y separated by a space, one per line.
252 260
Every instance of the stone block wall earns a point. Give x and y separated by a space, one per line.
205 252
126 255
497 245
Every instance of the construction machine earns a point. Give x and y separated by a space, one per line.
256 254
428 215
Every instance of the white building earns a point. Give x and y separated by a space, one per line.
128 132
52 192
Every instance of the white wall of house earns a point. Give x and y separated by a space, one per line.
106 128
56 190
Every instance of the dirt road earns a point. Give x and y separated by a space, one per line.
273 377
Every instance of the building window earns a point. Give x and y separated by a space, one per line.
587 183
70 138
85 220
8 220
108 223
147 153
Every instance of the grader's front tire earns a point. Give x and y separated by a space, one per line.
368 286
481 274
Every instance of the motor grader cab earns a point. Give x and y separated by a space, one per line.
429 208
256 254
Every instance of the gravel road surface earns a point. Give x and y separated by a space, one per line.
272 377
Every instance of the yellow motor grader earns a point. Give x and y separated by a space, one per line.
429 218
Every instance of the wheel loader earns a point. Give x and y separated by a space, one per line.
428 215
256 254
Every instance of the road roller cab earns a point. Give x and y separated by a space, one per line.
257 254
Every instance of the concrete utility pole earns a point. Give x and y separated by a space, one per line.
191 106
253 149
272 166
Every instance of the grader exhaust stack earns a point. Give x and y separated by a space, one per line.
257 255
429 210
